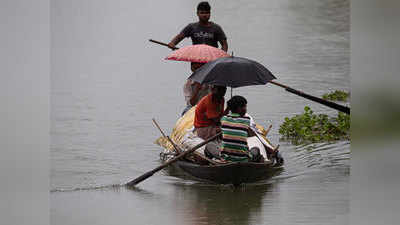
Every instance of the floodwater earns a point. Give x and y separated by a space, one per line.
108 82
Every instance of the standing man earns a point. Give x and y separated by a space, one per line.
202 32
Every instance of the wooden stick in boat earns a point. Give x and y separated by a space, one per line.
268 129
180 156
257 134
176 148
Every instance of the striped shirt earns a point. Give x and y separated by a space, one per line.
234 137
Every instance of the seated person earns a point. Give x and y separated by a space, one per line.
208 113
194 91
235 130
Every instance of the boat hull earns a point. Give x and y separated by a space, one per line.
231 173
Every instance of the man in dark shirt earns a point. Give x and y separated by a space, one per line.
202 32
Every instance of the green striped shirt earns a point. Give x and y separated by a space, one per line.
234 137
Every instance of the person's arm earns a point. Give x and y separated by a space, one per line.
178 38
221 37
186 32
226 111
195 93
224 45
275 154
215 118
270 151
250 132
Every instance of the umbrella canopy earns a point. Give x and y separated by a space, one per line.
197 53
232 72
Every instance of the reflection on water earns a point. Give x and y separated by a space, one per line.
221 204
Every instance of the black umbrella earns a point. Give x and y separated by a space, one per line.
232 72
238 72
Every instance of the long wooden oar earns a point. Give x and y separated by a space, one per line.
161 43
330 104
183 154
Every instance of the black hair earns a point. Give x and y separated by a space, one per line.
220 88
192 63
203 6
236 102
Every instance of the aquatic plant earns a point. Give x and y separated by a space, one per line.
310 127
336 96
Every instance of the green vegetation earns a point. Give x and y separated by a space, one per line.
336 96
309 127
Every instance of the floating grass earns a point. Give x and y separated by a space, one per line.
336 96
309 127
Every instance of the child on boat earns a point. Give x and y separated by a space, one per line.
235 130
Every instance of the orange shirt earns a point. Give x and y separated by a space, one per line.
206 110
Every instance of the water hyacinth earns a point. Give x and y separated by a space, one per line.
309 127
336 96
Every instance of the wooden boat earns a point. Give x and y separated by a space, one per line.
200 167
234 173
